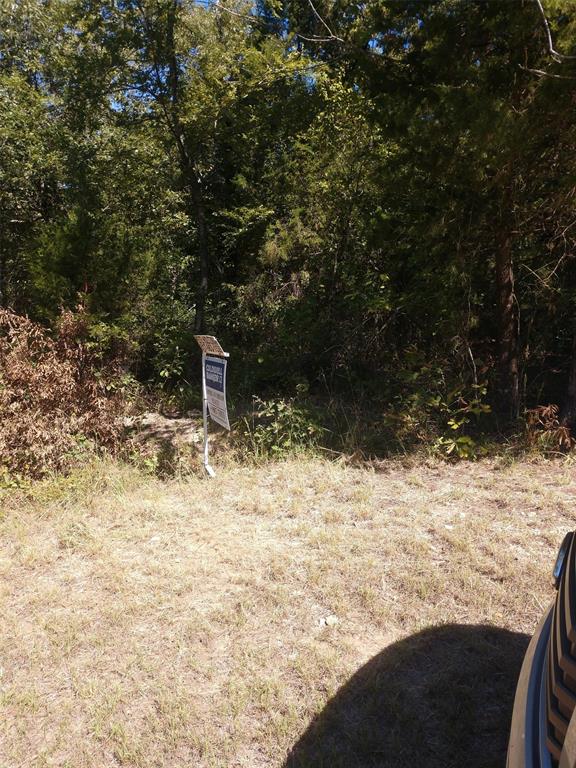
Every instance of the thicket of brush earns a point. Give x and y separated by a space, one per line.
59 397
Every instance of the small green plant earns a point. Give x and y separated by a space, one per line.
279 427
459 409
10 481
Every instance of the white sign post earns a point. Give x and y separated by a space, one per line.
214 364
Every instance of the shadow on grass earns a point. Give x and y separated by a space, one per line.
440 698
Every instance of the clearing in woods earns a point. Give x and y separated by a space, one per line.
304 613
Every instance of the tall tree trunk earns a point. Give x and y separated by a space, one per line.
189 172
507 320
2 277
202 293
568 416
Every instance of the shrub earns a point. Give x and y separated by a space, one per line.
58 397
545 432
276 428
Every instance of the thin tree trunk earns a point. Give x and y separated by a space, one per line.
568 417
194 184
2 278
202 293
507 320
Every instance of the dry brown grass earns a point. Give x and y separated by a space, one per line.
300 614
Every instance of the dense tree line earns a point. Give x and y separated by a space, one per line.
362 199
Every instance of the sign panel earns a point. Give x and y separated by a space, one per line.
215 373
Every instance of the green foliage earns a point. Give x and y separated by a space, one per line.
336 210
458 410
278 428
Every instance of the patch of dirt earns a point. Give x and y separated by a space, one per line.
170 435
154 426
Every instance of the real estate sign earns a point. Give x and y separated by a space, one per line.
214 362
215 377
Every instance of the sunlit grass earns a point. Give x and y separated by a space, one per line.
204 623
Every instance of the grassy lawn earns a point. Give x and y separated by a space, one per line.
305 613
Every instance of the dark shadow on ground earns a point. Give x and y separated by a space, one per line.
439 699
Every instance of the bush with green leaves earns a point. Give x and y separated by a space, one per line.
276 428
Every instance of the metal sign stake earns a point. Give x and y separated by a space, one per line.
206 463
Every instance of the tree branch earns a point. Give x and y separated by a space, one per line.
543 73
321 20
559 57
